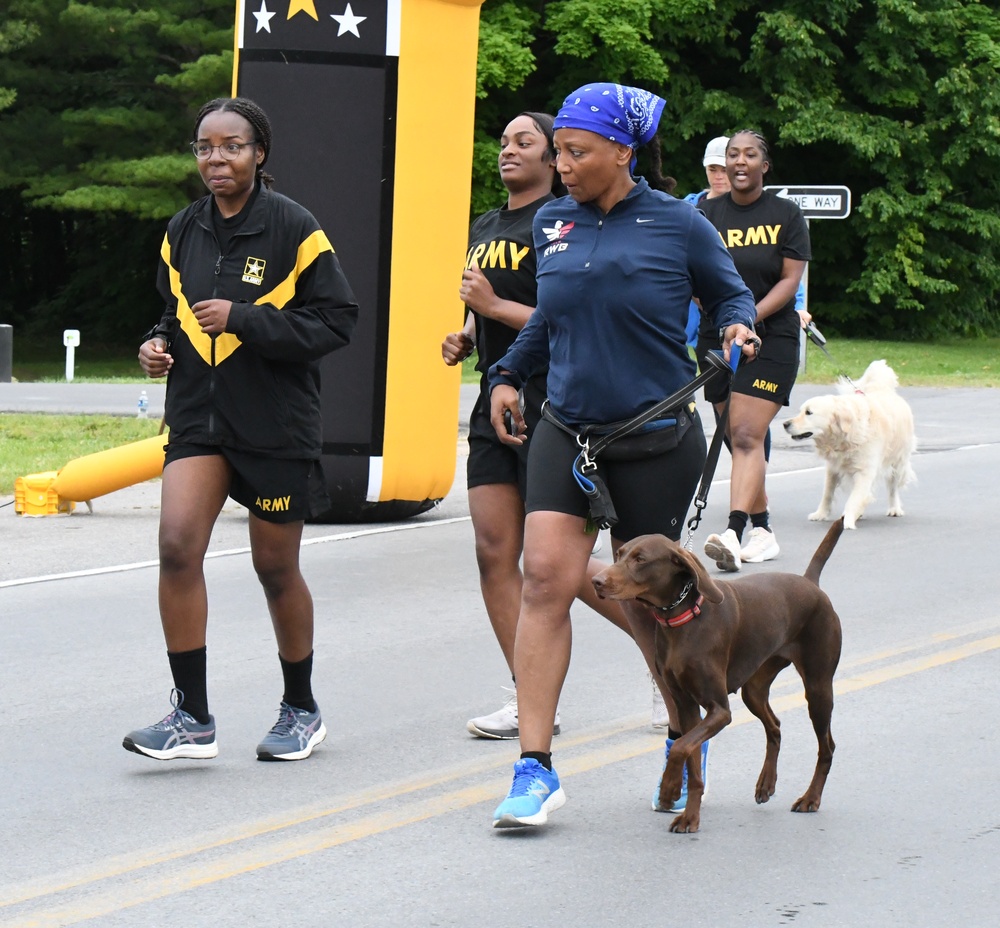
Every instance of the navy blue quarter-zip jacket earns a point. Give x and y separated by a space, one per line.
255 387
613 297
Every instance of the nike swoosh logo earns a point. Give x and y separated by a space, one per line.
644 220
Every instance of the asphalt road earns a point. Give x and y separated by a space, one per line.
388 823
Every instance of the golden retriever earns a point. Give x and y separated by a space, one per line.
861 432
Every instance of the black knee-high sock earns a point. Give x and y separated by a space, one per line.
760 520
298 683
189 672
738 522
544 759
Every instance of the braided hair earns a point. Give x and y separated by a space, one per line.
544 124
765 151
254 115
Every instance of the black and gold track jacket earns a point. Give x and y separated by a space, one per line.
255 387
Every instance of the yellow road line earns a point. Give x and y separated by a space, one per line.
226 861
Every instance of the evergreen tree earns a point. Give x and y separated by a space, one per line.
900 102
100 101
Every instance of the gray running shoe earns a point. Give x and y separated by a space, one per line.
294 735
178 735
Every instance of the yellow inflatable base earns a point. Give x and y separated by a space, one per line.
83 479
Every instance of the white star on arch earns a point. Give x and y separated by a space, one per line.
263 16
348 22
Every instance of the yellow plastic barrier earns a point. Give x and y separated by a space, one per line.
88 477
35 495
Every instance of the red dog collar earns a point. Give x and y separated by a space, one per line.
683 618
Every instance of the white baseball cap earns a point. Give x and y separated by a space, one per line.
715 151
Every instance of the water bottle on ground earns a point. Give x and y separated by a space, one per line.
143 411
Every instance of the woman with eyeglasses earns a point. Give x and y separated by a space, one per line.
254 298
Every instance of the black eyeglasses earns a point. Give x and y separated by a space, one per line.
228 150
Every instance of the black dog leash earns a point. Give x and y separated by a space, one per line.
602 510
819 340
711 462
717 365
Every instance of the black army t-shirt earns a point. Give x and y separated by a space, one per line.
501 244
759 237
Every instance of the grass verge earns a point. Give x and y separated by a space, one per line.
34 443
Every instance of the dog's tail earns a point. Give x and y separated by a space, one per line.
824 551
878 376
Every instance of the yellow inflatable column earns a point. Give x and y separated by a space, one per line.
438 48
372 107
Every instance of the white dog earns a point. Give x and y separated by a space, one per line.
861 432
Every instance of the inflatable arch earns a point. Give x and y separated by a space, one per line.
372 105
372 110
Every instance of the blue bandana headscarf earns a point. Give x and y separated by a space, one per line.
622 114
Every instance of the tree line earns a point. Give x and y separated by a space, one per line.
899 101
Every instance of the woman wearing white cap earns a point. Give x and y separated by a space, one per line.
714 163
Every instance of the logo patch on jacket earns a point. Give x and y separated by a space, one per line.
253 273
559 230
556 235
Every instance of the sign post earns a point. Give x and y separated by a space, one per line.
816 202
71 339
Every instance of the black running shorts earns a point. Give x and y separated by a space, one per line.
651 496
770 377
273 489
490 460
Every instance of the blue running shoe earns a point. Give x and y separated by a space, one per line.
293 736
681 804
534 793
178 735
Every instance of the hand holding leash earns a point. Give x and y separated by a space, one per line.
742 338
815 336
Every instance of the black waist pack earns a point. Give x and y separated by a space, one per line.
647 441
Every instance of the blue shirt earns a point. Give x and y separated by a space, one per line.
613 295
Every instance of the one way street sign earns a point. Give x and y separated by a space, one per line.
818 202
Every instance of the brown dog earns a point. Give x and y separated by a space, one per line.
713 639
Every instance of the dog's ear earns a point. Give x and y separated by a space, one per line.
705 584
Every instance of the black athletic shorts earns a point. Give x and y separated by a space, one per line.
651 496
770 377
273 489
490 460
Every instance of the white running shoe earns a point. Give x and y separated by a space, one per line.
761 546
502 724
659 720
724 549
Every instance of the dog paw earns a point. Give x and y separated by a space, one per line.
849 523
670 792
895 512
765 789
685 824
820 515
806 803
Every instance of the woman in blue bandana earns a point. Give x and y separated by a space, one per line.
617 264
